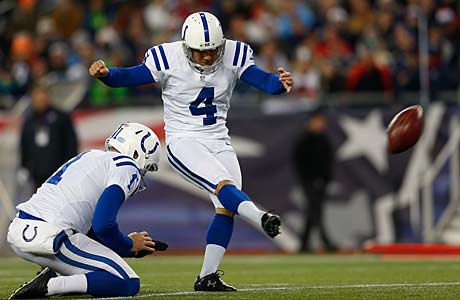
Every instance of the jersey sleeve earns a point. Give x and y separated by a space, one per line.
243 56
104 223
125 173
156 60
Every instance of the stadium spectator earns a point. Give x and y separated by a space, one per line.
48 139
22 57
293 22
271 57
96 16
336 28
313 160
307 75
69 226
361 15
25 16
367 74
334 54
68 17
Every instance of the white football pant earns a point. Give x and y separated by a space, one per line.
205 163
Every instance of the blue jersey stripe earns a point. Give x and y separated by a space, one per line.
237 53
245 51
122 156
163 56
189 172
128 163
95 257
205 27
155 57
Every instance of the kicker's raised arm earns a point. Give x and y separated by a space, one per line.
268 82
121 77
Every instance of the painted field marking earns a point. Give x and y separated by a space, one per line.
287 288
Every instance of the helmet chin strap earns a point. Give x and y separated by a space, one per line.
142 185
204 70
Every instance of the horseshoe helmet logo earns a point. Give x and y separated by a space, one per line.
143 144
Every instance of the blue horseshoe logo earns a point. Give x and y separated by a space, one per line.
143 146
24 233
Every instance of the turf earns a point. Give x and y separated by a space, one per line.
281 277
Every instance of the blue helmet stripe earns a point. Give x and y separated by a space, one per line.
185 31
155 57
205 27
163 56
237 53
245 51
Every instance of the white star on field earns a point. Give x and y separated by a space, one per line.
366 137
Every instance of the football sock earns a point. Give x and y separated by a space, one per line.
105 284
67 284
250 211
231 197
217 239
220 230
212 257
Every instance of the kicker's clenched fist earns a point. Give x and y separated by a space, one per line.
98 69
286 79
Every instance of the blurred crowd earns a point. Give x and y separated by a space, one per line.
329 45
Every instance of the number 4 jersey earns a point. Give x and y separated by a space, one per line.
69 197
196 105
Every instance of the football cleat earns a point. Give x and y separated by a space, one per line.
36 288
213 283
271 224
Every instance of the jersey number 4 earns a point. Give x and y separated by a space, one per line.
206 95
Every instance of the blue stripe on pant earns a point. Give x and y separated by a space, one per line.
87 255
101 283
178 165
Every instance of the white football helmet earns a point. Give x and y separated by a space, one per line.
202 31
138 142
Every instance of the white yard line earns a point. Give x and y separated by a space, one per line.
287 288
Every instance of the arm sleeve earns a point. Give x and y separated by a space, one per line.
267 82
105 225
125 77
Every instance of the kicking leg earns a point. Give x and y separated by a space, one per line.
229 194
237 202
217 170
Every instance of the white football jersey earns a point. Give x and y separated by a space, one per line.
196 105
68 198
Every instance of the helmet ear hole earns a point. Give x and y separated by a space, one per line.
136 155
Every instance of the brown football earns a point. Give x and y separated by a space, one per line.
405 129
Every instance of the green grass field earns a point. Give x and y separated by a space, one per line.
281 277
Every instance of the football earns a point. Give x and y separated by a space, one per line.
405 129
